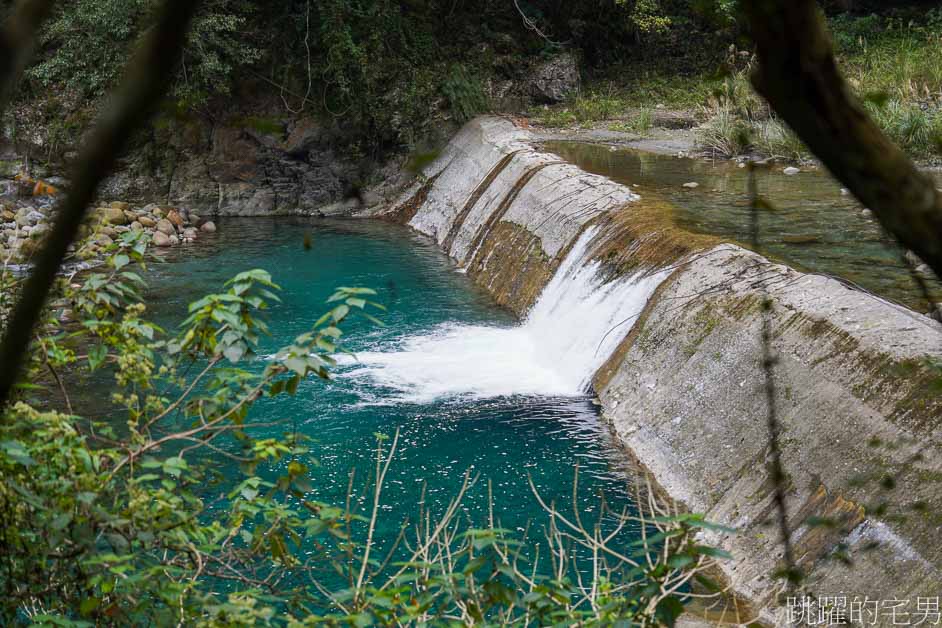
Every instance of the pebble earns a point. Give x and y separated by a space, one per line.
691 185
791 171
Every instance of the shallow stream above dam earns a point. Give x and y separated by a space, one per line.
815 227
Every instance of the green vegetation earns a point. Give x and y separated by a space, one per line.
123 519
891 60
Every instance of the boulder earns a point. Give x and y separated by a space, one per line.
555 78
189 233
113 216
137 226
166 227
161 239
104 239
174 240
208 227
38 231
28 247
120 205
7 216
175 217
147 221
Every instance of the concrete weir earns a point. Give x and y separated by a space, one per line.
857 380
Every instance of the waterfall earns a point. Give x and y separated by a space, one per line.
575 325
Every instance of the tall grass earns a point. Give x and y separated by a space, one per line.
726 134
918 131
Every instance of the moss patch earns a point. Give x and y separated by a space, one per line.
644 235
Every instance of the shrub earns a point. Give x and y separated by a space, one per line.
725 134
465 94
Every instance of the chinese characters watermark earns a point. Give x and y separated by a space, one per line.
865 611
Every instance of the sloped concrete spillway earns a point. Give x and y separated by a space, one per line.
857 380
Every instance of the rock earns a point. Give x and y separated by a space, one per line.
161 239
791 171
7 216
113 215
152 208
866 213
28 247
131 216
147 221
913 259
166 227
174 240
194 219
121 229
556 78
801 239
692 185
109 231
38 231
742 164
104 239
189 233
120 205
208 227
845 192
137 226
175 217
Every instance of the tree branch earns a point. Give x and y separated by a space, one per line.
17 40
146 83
799 77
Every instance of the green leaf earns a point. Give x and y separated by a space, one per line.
120 261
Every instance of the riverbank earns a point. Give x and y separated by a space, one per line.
683 389
890 60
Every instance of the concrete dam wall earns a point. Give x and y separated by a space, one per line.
857 380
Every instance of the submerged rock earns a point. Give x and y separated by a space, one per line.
791 171
208 227
692 185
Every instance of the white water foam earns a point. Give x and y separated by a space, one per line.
576 324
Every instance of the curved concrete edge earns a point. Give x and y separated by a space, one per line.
858 385
857 400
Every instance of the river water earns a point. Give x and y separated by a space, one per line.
466 385
814 226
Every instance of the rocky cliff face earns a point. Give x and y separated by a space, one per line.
236 165
245 167
857 382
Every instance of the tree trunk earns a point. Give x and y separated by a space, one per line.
798 75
